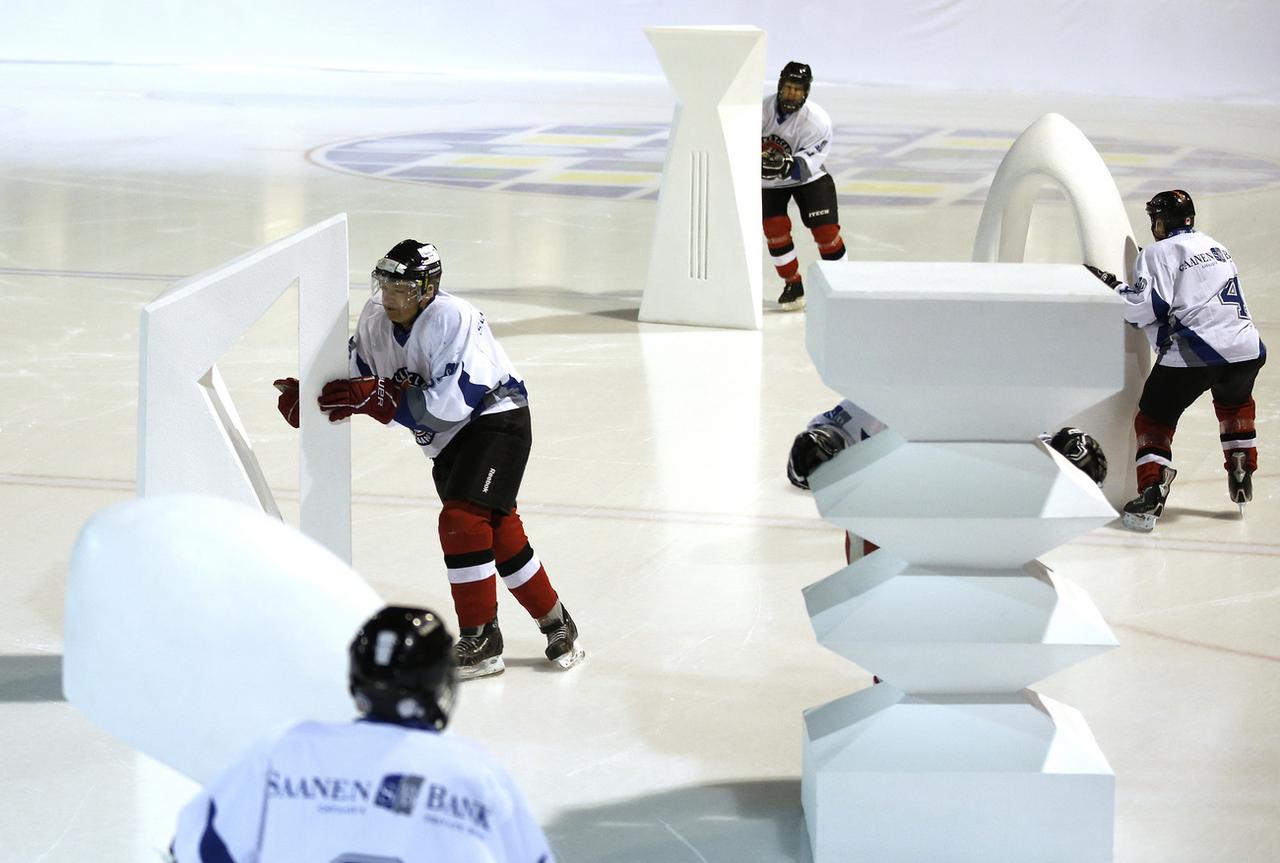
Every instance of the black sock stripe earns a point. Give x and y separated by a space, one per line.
1244 435
1151 450
514 565
470 558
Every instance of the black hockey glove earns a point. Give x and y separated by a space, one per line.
811 448
1103 276
775 164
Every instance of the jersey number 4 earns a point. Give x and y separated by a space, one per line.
1230 296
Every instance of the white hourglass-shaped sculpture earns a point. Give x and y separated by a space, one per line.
704 267
953 759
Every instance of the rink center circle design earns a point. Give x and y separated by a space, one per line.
871 165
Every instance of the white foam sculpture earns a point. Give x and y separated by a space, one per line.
195 625
704 268
952 759
1053 150
190 436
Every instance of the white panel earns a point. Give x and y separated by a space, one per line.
705 265
190 438
901 779
993 505
952 630
986 351
1052 150
195 625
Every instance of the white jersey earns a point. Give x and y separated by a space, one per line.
360 792
454 367
1186 297
805 134
851 422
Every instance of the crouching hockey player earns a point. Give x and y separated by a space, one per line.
427 360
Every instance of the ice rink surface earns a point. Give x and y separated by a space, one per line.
656 493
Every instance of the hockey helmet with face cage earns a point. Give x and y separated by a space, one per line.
402 667
801 76
410 268
1082 450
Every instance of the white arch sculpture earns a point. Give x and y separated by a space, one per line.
190 437
1052 149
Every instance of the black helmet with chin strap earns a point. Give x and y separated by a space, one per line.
402 667
412 263
1174 208
794 73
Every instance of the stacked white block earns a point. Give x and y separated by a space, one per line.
952 759
1053 150
190 436
195 626
704 268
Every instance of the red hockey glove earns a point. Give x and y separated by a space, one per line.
377 397
775 164
287 404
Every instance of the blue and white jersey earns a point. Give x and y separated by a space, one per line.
805 134
851 422
1186 296
360 792
453 368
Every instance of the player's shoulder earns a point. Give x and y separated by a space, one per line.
815 115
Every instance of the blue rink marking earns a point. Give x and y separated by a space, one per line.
872 165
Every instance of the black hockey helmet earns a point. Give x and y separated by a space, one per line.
1174 208
402 667
1082 450
411 263
794 73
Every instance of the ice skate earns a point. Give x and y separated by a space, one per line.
1140 514
478 651
1239 481
792 296
563 647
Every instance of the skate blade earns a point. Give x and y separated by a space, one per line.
1138 522
572 658
1240 504
485 668
793 306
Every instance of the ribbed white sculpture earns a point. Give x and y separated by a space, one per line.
952 759
704 268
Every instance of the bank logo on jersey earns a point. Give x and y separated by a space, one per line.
873 165
398 792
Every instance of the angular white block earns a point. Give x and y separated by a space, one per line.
893 778
933 629
965 351
995 505
1053 150
705 265
195 625
190 437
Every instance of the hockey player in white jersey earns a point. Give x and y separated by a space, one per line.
427 360
390 787
1186 296
795 138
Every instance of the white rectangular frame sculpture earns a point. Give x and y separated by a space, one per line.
190 437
